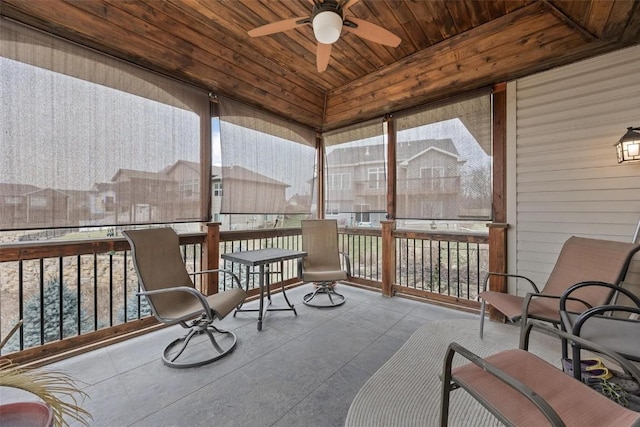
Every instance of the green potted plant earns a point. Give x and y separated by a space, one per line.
57 391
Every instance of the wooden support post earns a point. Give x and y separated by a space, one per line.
498 229
388 257
211 259
497 263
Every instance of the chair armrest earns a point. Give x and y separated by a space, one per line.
187 289
566 295
518 276
600 310
347 262
529 296
567 321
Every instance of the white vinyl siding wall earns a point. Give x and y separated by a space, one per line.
562 125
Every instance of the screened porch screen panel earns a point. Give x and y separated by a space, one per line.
443 162
355 171
268 163
91 141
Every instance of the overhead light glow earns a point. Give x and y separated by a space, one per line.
327 27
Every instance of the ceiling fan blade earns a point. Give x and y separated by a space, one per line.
278 27
371 32
322 56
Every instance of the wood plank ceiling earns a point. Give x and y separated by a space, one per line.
448 47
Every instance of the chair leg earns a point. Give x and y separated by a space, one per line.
483 307
523 331
170 356
335 299
213 341
185 341
446 389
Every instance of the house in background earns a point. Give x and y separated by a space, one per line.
47 206
103 202
428 177
428 180
216 192
241 187
80 205
186 175
142 196
13 204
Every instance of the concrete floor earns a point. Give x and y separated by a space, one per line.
299 370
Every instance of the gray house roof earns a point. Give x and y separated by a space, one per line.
7 189
242 174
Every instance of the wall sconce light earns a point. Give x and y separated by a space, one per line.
628 148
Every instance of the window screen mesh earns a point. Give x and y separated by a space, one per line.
268 164
89 140
355 170
443 161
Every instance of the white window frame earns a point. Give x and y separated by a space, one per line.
376 177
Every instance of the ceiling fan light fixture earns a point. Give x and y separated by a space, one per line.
327 27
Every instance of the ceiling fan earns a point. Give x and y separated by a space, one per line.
327 19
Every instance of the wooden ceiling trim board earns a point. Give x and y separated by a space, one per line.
456 72
452 50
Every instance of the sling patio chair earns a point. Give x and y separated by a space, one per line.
167 285
521 389
614 326
580 260
322 265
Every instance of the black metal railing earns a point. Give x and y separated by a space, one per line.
450 265
66 289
